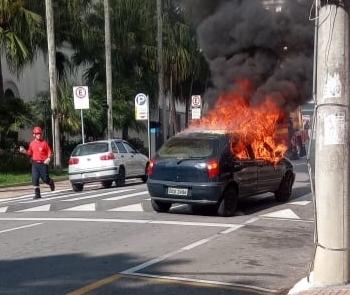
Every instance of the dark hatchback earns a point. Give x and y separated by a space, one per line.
199 168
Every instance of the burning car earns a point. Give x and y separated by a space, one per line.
215 168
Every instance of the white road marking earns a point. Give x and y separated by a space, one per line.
90 193
3 209
300 203
251 220
130 208
37 209
207 282
32 195
85 207
126 196
173 253
229 230
20 227
99 195
286 213
115 220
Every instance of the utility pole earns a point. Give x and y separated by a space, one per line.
53 83
332 178
108 69
161 96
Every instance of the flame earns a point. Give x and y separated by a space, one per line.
253 129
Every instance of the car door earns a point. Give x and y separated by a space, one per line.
269 176
124 155
247 176
134 159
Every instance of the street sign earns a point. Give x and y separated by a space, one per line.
141 106
196 101
196 113
81 97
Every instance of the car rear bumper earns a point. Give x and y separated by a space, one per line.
198 193
93 176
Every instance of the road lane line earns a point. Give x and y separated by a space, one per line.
43 208
99 195
96 285
20 227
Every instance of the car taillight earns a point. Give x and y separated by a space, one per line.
73 161
213 168
109 156
150 167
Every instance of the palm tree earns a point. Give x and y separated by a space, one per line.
21 32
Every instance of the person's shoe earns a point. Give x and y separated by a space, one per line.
52 185
37 194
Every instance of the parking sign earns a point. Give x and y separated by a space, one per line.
141 106
81 97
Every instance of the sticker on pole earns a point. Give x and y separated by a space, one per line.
334 129
81 97
141 106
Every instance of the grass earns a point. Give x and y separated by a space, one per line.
13 178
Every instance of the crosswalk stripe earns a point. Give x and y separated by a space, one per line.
99 195
37 209
3 209
85 207
130 208
301 203
126 196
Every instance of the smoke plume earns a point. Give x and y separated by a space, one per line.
242 39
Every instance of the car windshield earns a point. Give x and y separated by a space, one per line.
188 147
90 149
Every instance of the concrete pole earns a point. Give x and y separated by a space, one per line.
108 69
332 260
161 96
53 83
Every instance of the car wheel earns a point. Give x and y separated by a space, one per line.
107 184
284 192
121 177
160 206
229 202
77 187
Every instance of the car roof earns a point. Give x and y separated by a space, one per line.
201 133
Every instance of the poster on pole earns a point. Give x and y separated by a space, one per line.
81 97
141 107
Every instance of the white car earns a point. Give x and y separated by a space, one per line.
105 161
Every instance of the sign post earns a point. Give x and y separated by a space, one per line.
196 105
142 113
81 101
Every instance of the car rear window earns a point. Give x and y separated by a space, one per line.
182 147
90 149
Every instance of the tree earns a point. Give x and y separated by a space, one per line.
21 32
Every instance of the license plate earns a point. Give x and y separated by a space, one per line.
91 174
177 191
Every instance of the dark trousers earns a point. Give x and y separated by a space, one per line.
40 170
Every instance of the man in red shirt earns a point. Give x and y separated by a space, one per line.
40 152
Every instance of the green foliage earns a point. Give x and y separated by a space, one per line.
11 161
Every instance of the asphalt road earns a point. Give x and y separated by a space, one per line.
101 241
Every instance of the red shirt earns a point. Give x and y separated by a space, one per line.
39 150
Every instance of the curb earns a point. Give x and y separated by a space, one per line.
56 179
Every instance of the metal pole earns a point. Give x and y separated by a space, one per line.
148 131
82 126
332 259
53 82
108 70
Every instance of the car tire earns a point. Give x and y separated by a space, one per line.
229 202
121 177
284 191
160 206
107 183
77 187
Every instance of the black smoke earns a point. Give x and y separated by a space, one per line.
242 39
